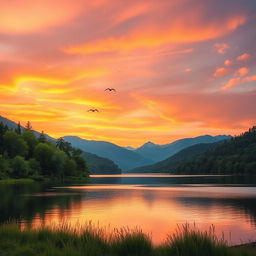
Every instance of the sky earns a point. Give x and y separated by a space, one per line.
181 68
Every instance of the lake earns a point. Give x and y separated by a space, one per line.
155 203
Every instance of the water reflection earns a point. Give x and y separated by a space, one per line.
156 204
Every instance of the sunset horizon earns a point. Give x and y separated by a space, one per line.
180 69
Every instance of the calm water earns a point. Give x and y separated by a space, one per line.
155 203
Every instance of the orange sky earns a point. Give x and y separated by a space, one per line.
181 68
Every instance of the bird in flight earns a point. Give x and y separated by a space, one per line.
110 89
93 110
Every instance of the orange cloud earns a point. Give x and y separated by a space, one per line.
231 83
228 63
244 57
243 71
250 78
222 71
176 32
23 16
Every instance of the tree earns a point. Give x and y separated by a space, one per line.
28 126
4 168
20 167
43 154
64 146
42 138
35 168
31 141
14 144
3 130
18 129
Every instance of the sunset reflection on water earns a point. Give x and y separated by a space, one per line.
157 210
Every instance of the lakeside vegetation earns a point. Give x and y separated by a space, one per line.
235 156
24 156
89 240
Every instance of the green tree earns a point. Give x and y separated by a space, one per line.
18 129
35 168
20 167
31 141
4 168
43 154
14 144
42 137
3 130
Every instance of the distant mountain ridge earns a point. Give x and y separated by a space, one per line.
173 161
160 152
124 158
234 156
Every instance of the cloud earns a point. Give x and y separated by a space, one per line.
228 63
231 83
158 35
244 57
242 71
238 80
222 71
24 16
221 48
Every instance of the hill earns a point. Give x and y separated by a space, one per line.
13 125
100 165
96 164
124 158
160 152
176 159
235 156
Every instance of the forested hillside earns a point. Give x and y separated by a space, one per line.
173 161
236 156
100 165
23 155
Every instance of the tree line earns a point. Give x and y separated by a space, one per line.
23 155
235 156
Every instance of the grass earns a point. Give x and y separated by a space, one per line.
92 241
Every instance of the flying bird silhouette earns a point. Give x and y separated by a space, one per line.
110 89
93 110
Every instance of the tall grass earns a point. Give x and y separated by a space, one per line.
89 240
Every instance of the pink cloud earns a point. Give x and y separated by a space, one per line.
231 83
228 63
249 78
244 57
222 71
221 48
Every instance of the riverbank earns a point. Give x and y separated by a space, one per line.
42 179
88 241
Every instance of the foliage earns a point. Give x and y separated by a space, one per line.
236 156
22 155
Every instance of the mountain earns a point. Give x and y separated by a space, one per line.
160 152
13 125
183 155
100 165
234 156
124 158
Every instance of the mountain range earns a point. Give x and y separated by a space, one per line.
173 161
160 152
104 157
124 158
